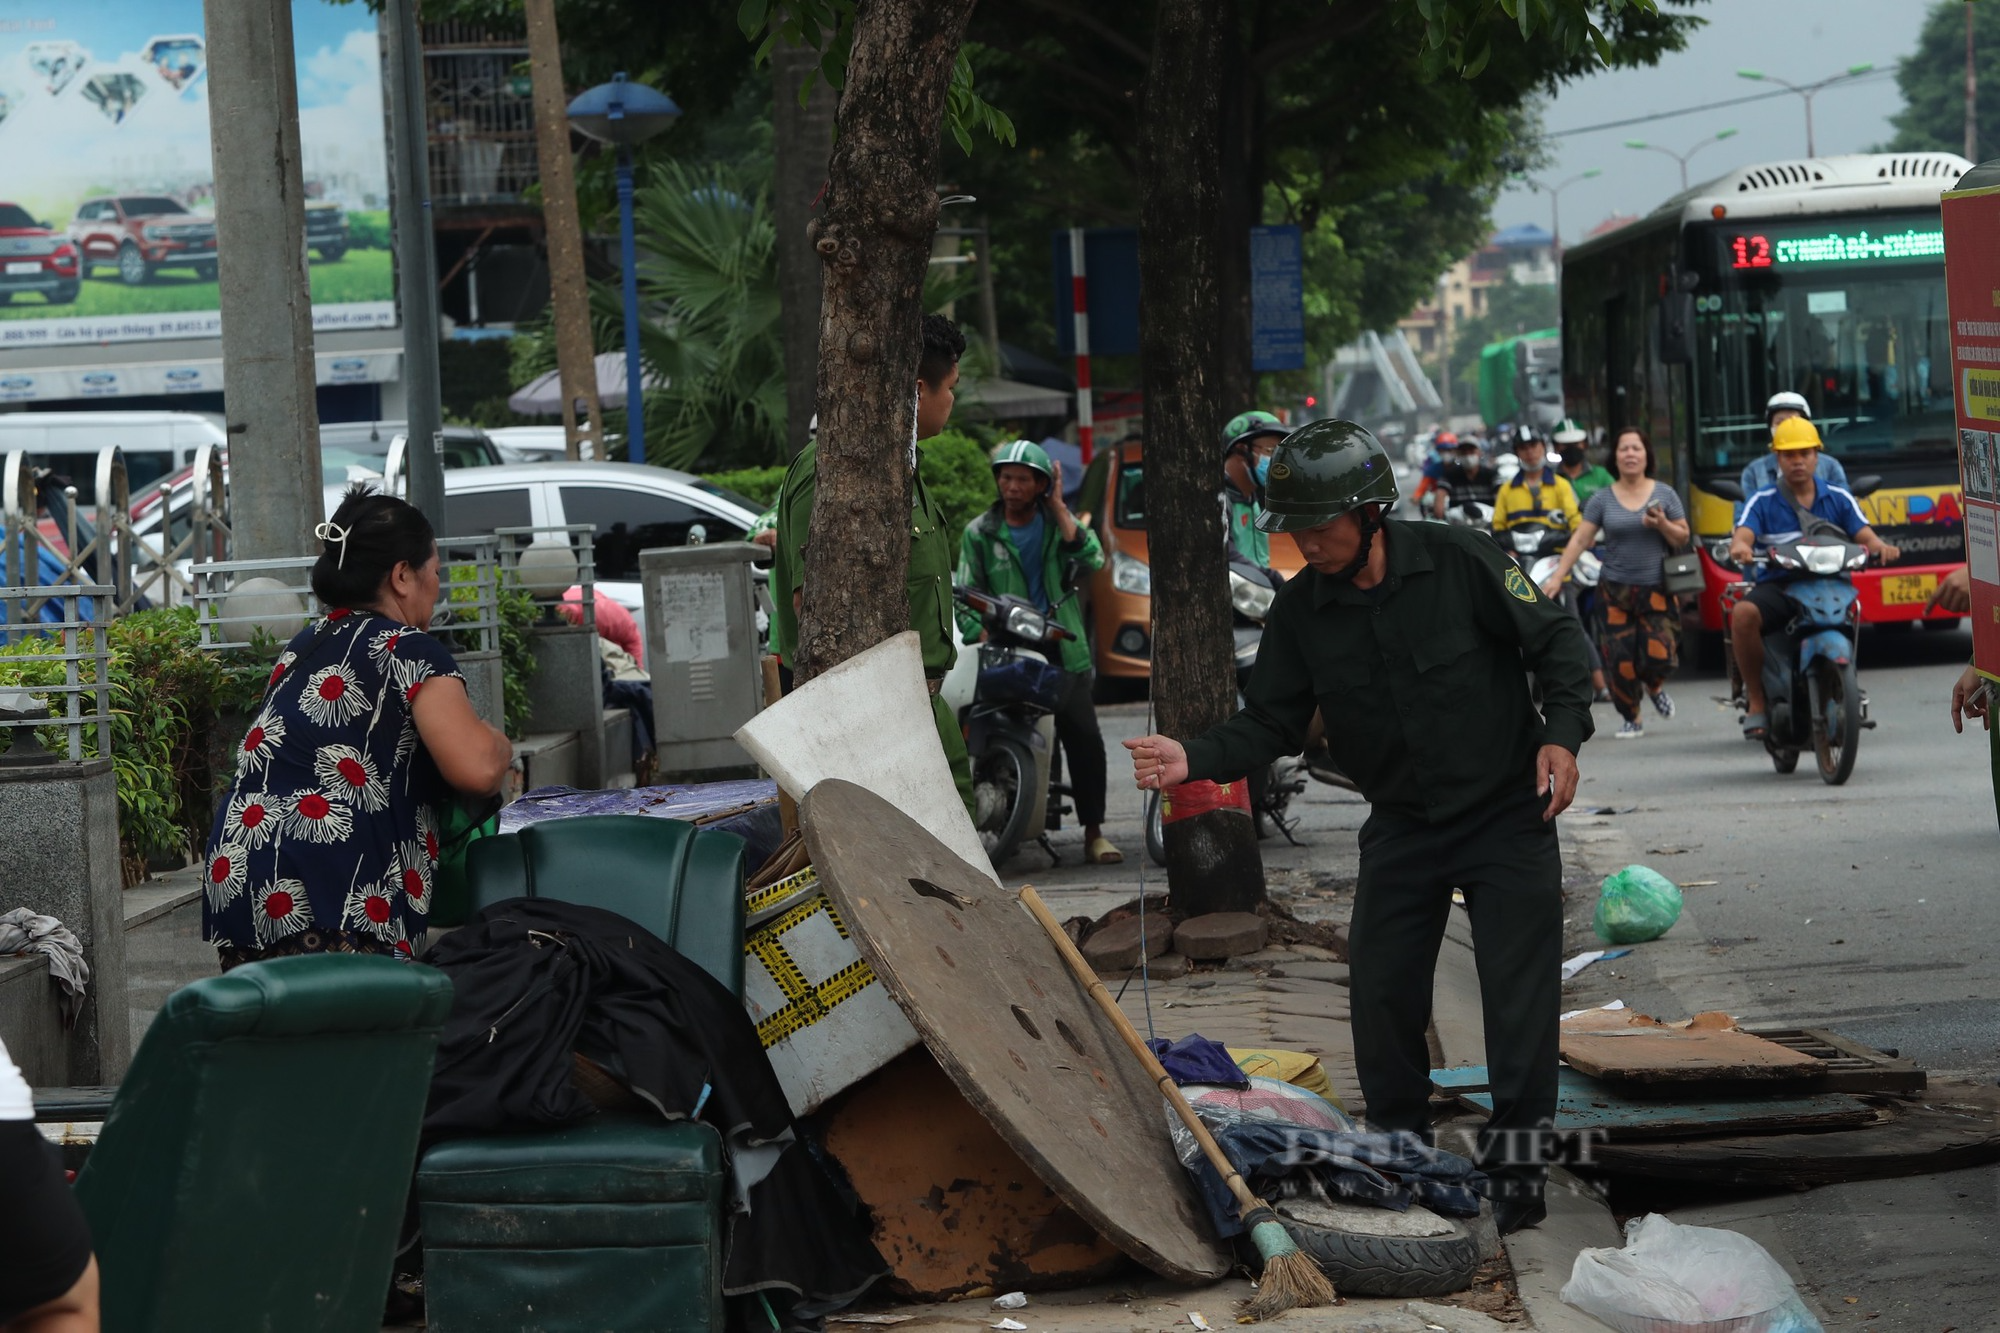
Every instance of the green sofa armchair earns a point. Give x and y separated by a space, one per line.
254 1166
616 1221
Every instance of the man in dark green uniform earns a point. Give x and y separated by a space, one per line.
1415 640
932 555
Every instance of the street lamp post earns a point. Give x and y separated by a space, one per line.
1681 158
625 113
1807 90
1555 202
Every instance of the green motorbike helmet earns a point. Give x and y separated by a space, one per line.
1322 470
1024 453
1245 426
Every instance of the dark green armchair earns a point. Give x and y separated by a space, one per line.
253 1169
616 1221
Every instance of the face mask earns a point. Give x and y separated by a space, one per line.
1263 469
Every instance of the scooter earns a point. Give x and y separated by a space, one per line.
1251 591
1813 698
1004 692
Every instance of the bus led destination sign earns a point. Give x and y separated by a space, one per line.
1829 247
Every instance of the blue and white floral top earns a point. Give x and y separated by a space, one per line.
332 821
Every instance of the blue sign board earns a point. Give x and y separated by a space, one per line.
1277 300
1111 277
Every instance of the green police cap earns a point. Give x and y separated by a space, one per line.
1321 471
1025 453
1248 426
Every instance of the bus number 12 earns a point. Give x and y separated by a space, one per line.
1751 252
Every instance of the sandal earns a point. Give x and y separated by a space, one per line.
1102 853
1755 727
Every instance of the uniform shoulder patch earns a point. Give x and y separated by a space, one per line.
1517 583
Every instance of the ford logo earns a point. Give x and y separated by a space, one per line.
350 363
17 382
100 377
183 376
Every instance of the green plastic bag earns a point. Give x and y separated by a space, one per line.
1637 905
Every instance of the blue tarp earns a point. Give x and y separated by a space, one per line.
52 573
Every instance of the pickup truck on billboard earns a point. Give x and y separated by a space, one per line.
34 258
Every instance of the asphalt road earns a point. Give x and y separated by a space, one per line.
1868 908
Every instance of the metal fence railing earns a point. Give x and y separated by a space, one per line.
543 575
482 125
55 675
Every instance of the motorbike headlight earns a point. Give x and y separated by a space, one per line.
1824 560
1784 559
1024 623
1526 539
1131 575
1858 560
1250 598
1718 551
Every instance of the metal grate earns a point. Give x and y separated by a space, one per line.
481 115
55 677
577 536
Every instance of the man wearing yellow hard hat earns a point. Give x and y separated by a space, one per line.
1799 504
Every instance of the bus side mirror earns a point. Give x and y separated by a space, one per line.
1675 332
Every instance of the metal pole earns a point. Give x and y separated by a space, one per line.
989 312
1080 312
569 292
628 252
416 262
1971 92
265 297
1811 151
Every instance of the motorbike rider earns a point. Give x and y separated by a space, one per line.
1761 473
1414 639
1538 495
1465 479
1247 442
1027 545
1442 443
929 579
1573 458
1798 505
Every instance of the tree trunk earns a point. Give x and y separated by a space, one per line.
1212 860
874 239
1241 190
802 139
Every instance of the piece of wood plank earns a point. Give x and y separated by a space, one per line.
1588 1105
1918 1138
1016 1032
1626 1046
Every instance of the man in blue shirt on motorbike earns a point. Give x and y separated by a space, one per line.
1762 472
1798 505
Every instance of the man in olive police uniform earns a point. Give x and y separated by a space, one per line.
1415 640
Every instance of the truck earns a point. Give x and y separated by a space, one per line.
1520 381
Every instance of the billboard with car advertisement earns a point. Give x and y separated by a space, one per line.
107 195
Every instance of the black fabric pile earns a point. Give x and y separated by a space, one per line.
535 980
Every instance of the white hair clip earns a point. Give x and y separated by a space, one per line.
331 533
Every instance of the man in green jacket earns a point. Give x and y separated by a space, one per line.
1415 640
1247 442
1027 546
929 580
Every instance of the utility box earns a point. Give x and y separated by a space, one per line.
701 648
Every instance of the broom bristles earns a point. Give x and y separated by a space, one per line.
1291 1280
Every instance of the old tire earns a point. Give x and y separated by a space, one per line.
1006 771
1156 837
1369 1251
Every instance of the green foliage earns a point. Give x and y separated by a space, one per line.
368 229
473 380
960 473
756 484
1932 80
166 698
517 656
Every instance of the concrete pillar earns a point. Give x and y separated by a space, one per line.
416 257
267 337
59 856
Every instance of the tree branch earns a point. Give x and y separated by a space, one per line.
1113 38
1296 45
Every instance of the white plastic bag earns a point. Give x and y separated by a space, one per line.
1671 1277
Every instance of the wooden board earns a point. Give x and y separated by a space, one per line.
953 1206
1917 1138
1024 1042
1585 1104
1621 1045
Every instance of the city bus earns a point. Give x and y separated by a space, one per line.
1824 276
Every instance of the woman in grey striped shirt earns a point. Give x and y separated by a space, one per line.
1638 629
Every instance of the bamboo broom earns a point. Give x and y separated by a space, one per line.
1290 1278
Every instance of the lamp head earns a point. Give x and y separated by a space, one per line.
622 112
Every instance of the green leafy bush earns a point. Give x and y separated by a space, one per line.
756 484
960 472
517 654
368 229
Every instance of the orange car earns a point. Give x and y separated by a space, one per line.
1119 616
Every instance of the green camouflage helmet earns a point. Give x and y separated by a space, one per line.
1322 470
1025 453
1247 426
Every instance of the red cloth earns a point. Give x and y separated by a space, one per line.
614 622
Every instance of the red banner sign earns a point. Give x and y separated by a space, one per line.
1972 282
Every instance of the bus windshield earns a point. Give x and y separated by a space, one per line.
1867 345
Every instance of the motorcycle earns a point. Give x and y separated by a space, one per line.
1251 590
1813 698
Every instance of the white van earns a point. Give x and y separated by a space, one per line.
156 444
